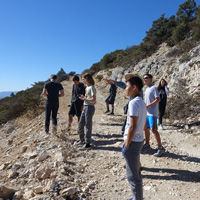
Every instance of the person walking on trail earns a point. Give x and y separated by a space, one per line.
76 107
152 99
163 91
52 91
111 98
88 112
134 135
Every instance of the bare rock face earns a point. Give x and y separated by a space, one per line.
6 192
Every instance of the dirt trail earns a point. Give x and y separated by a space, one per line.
175 176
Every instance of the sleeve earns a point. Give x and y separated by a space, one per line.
120 84
83 90
61 87
133 108
45 86
166 90
93 91
155 92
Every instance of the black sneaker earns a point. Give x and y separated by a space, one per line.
160 151
86 146
112 113
107 111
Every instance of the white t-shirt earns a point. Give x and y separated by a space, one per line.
151 94
136 107
90 91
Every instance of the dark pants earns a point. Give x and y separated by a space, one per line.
86 121
51 108
161 111
132 157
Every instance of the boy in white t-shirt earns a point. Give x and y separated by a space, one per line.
134 136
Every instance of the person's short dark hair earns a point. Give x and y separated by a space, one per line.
53 76
135 80
76 78
149 75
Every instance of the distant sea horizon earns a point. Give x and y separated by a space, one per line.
6 94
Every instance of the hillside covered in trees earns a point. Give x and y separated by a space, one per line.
182 30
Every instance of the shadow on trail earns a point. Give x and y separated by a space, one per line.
173 174
111 140
106 124
173 156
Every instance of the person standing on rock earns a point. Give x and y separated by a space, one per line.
76 107
88 112
134 135
52 91
163 91
111 98
152 99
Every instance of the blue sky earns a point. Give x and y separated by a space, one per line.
38 37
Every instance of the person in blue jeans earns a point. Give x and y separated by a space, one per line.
52 91
134 135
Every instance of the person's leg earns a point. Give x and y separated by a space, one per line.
147 132
47 117
123 126
112 112
70 116
78 108
88 123
54 117
81 125
132 157
107 104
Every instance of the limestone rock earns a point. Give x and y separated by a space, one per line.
7 192
43 172
69 193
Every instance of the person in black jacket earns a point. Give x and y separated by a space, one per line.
163 91
52 91
111 98
76 107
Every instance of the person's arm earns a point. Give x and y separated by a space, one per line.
131 130
166 90
90 100
44 92
61 93
157 100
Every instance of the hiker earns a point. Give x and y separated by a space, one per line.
163 91
134 135
123 86
76 107
152 99
111 98
52 91
88 112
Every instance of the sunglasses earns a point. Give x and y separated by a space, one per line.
145 78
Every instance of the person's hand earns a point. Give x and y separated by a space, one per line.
82 97
148 106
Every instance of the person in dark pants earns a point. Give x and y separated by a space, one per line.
111 98
87 113
52 91
163 91
134 135
76 103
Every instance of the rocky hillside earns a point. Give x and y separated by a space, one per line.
36 166
183 76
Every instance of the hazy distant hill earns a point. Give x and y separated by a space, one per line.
6 94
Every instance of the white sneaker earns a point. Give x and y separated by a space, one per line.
161 127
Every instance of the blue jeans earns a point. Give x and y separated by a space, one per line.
132 158
51 108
